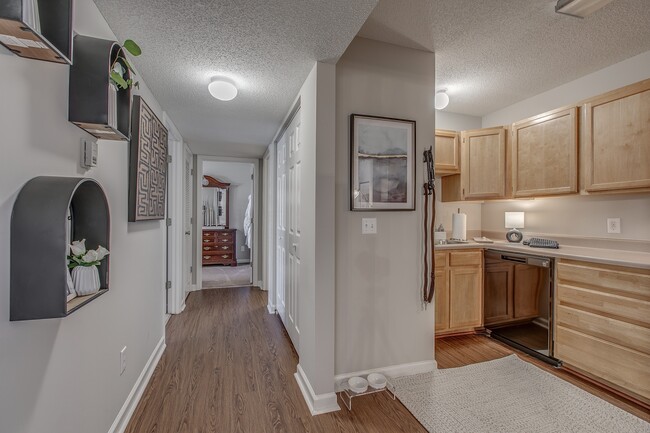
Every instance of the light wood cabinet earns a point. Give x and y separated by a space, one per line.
447 152
602 324
484 161
459 292
545 154
617 139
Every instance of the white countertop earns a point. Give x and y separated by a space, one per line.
633 259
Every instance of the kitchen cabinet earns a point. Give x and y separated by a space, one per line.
602 324
447 152
512 293
617 140
459 291
485 167
545 154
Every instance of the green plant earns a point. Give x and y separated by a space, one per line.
117 70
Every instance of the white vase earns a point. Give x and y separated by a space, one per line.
86 280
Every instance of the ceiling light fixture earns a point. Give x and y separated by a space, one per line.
442 99
579 8
222 89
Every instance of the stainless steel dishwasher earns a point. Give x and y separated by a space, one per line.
518 302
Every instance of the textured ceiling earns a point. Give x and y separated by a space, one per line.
493 53
266 47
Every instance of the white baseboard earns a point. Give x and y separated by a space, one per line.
167 316
243 261
271 308
391 371
317 403
124 415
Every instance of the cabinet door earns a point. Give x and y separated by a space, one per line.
617 139
447 152
545 154
442 301
465 297
527 285
484 163
498 293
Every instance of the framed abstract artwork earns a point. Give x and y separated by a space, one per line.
382 163
147 164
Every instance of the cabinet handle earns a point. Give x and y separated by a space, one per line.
224 248
206 240
225 256
206 257
206 248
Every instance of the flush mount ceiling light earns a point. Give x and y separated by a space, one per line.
579 8
222 90
442 99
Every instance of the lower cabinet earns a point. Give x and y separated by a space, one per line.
602 324
459 291
218 247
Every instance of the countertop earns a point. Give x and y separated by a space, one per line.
606 256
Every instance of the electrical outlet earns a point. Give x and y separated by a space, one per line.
368 226
613 225
122 360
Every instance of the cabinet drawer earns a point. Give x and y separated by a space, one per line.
607 329
441 260
209 234
613 306
618 365
217 248
217 257
465 258
613 279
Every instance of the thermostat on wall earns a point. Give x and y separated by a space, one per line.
89 153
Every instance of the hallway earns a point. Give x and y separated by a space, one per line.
229 366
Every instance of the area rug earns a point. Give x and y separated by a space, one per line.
215 277
508 395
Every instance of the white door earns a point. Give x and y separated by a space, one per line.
187 219
280 227
290 232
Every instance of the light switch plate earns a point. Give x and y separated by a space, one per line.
613 225
368 226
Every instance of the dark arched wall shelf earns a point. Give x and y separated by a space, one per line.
39 240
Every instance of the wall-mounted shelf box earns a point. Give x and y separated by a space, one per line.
47 36
90 87
40 234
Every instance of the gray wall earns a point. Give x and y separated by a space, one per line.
63 375
380 320
238 174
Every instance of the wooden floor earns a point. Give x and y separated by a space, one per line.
229 366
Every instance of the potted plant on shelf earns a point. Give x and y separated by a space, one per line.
118 71
83 265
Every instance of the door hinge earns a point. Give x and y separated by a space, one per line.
169 222
192 171
169 159
168 285
191 269
191 220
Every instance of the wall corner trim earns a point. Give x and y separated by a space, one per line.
390 371
318 404
132 400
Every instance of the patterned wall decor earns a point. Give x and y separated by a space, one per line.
147 165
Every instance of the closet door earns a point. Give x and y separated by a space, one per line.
280 228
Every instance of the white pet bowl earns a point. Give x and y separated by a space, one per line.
358 384
377 380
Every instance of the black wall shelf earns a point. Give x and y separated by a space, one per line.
39 240
89 90
52 43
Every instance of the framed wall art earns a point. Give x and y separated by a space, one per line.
382 163
147 164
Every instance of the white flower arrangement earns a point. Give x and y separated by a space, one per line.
80 257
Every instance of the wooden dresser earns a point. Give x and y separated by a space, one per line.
218 247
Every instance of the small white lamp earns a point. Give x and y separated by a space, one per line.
514 221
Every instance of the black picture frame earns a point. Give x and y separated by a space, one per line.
392 142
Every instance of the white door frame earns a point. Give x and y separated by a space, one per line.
174 233
256 257
269 225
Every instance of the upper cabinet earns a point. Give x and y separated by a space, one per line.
545 154
36 29
447 152
484 161
617 139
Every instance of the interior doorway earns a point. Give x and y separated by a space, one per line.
227 200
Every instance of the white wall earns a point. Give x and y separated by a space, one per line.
63 375
238 174
457 122
583 216
380 319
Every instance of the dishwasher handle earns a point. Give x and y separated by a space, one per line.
514 259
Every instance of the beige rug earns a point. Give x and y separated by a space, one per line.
508 395
215 277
